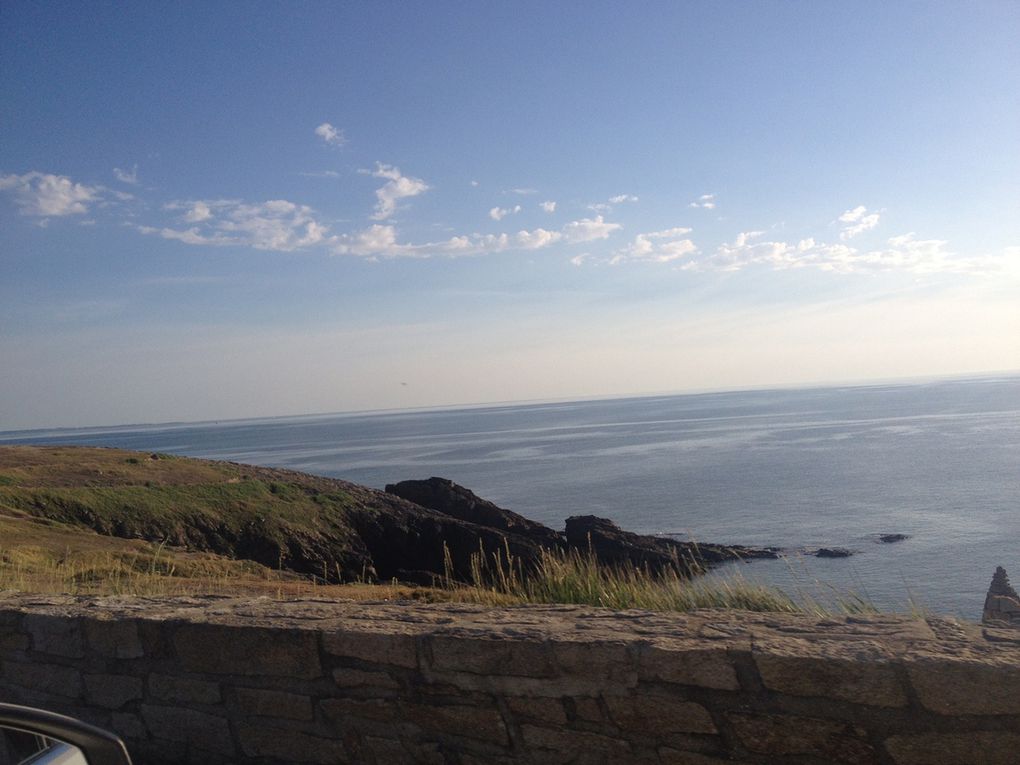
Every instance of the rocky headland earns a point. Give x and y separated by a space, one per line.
415 531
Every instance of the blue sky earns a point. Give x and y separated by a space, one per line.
213 210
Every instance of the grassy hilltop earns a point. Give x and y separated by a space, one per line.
109 519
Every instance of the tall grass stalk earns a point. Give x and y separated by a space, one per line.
577 577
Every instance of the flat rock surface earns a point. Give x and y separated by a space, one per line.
854 637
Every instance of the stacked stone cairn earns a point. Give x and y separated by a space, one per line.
1002 604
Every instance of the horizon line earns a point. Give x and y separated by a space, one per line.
853 383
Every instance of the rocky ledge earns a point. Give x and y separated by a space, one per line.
526 539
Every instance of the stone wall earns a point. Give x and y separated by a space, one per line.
217 680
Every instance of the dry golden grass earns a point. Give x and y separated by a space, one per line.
48 557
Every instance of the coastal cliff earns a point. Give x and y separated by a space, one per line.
329 529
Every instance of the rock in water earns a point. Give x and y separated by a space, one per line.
890 538
833 552
1002 604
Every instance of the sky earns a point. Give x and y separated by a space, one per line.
224 210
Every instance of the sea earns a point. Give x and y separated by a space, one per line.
799 469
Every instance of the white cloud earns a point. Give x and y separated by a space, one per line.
549 207
705 202
47 195
534 240
748 249
397 187
920 256
498 213
381 241
657 247
374 240
126 176
188 236
321 174
276 225
198 212
858 220
578 260
330 134
904 254
854 215
523 192
607 206
587 229
474 183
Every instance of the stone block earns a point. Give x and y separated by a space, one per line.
183 690
226 650
281 745
114 638
379 750
12 643
976 748
856 671
397 649
484 724
788 735
596 660
155 638
669 756
967 687
346 677
265 703
506 685
127 725
195 728
55 635
112 691
571 745
342 710
587 709
47 678
686 664
548 711
493 656
658 715
488 759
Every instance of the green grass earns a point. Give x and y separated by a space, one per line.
578 578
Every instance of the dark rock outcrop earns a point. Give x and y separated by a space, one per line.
612 545
417 544
446 497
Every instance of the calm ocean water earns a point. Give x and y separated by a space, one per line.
939 461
